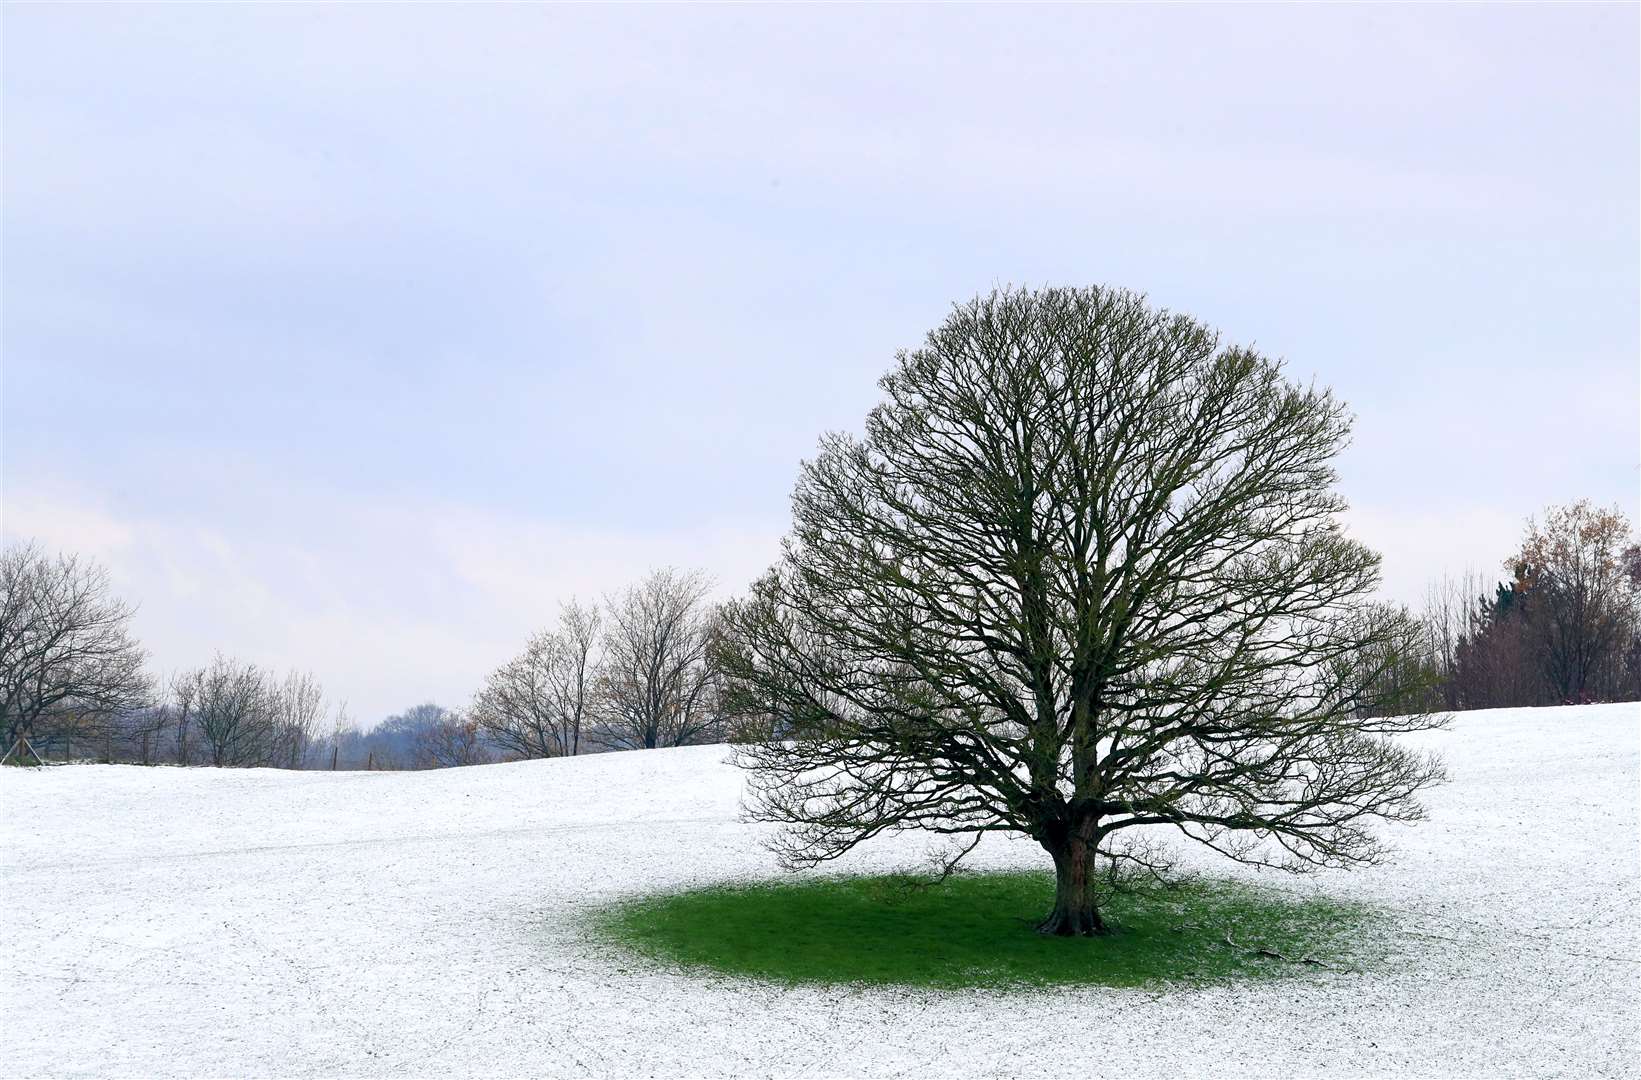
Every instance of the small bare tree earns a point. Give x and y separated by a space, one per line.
298 706
233 706
537 704
1449 603
180 709
66 651
657 688
341 729
1082 575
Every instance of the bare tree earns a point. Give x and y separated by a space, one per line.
183 691
298 706
1628 682
341 728
657 688
537 704
1449 603
1083 574
579 673
233 706
1581 606
66 651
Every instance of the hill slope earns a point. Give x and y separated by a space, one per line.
170 922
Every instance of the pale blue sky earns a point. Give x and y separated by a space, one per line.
353 338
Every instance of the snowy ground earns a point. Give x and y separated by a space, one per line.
169 922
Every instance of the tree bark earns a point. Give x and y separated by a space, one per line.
1075 914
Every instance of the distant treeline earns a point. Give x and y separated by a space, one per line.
630 673
633 672
1563 627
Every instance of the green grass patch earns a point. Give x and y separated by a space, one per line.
977 930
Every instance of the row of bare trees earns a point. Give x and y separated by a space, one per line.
226 713
233 713
629 674
72 674
632 672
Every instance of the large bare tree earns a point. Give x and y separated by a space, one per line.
1082 574
656 687
537 704
67 656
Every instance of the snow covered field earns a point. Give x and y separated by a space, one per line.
170 922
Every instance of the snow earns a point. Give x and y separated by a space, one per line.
196 922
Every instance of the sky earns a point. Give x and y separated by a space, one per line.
354 339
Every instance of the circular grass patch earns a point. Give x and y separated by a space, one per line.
977 930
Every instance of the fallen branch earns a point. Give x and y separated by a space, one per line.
1275 954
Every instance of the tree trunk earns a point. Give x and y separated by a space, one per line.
1075 913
